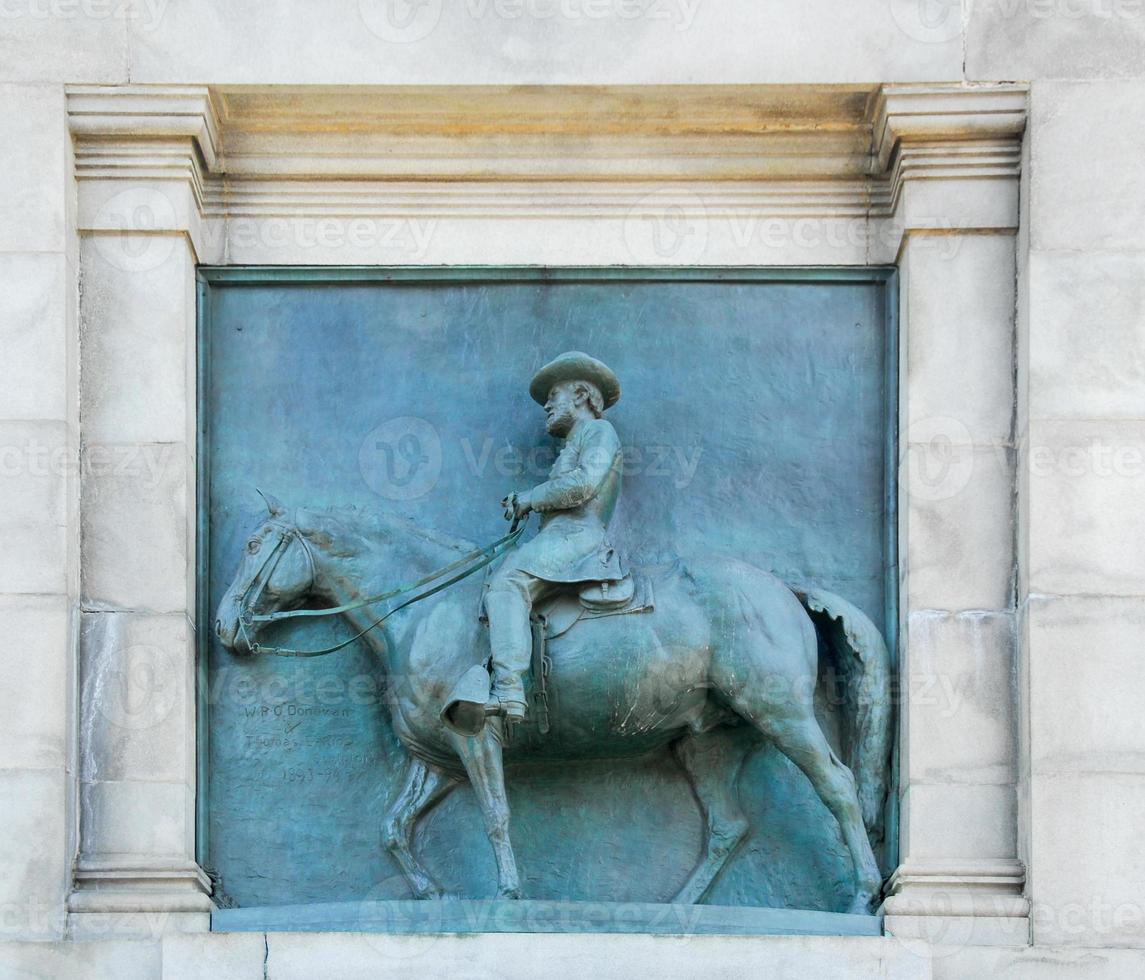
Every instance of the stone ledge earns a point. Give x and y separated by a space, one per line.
349 956
239 956
466 917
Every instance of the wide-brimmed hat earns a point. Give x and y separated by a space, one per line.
574 365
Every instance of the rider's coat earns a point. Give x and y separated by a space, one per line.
576 504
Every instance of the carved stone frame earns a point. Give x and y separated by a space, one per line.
925 178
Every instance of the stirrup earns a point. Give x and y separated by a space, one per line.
512 711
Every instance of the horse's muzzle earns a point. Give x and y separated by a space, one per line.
227 627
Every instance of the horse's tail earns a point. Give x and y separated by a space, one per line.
861 657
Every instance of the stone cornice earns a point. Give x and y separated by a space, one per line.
903 116
831 151
545 133
934 132
127 114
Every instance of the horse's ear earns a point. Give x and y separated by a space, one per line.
273 504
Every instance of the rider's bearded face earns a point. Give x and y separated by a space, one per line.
560 409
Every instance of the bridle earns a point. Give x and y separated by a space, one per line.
258 583
247 618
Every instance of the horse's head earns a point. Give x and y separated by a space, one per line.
276 572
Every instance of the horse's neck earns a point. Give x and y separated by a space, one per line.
357 565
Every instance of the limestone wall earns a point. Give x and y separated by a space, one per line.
1045 647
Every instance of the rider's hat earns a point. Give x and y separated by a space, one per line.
574 365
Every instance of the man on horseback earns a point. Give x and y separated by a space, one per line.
744 645
575 504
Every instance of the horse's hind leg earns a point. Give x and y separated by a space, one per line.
802 741
424 786
481 756
712 761
765 674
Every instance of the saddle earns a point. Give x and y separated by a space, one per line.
559 613
555 616
464 710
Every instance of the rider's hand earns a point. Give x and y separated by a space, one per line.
517 505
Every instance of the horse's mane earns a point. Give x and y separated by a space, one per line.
372 523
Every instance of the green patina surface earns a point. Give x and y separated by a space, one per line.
756 426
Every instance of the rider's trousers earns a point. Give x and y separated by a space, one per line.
508 603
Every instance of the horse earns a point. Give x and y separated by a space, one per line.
726 645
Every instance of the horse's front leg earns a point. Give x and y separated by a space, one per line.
481 756
424 786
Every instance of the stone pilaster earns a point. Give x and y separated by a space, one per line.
953 168
138 174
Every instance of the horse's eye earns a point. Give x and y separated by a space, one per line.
252 545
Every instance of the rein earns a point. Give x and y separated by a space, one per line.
475 560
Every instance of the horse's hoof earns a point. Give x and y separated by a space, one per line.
862 904
513 893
